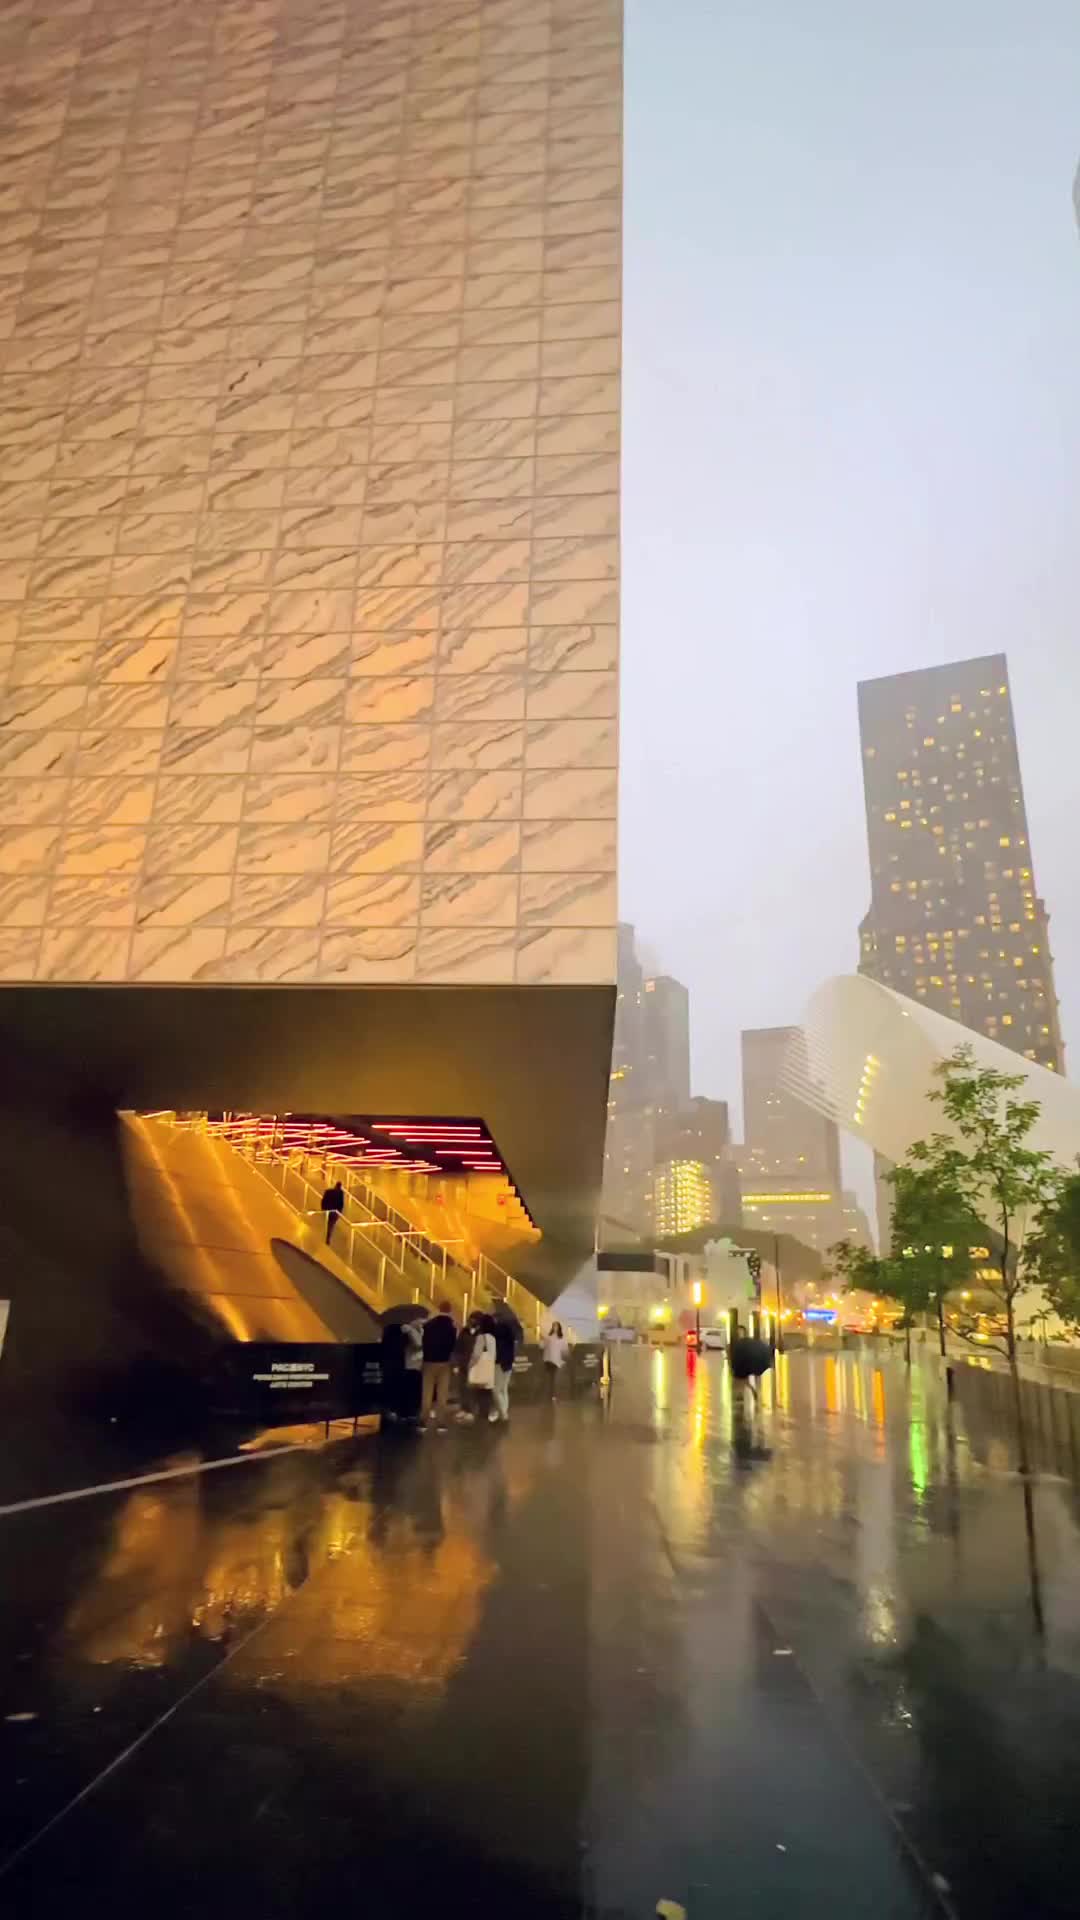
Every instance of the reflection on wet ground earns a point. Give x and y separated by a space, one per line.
764 1657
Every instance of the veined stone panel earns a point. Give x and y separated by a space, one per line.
309 460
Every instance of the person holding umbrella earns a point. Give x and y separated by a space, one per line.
749 1358
402 1361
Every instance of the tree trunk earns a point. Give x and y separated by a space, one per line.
907 1341
941 1322
1018 1402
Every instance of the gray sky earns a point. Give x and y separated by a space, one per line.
852 446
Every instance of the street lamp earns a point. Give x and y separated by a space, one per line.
695 1295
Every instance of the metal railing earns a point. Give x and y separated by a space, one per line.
413 1262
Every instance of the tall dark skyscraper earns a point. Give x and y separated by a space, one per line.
955 918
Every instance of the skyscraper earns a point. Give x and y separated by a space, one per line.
309 428
702 1133
666 1039
650 1083
628 1143
783 1131
789 1164
955 918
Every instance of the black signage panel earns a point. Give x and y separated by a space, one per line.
277 1385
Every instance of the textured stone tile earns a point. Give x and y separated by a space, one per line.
83 953
270 953
176 953
373 900
460 954
279 900
98 900
369 954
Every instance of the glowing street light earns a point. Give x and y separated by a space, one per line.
696 1293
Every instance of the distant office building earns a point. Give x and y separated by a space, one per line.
702 1131
628 1146
807 1205
683 1197
955 919
783 1132
666 1036
789 1166
652 1120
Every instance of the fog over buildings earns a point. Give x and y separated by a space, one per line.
851 436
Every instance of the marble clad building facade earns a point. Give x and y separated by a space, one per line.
309 453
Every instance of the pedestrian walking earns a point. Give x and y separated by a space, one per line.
556 1349
439 1340
333 1205
749 1358
505 1342
482 1367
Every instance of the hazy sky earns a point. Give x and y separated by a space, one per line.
852 446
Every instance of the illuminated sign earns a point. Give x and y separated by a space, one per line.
826 1315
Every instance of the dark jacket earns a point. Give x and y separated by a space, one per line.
440 1337
333 1200
504 1346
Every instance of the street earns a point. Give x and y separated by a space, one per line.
753 1661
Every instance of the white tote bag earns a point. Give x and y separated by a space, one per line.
482 1363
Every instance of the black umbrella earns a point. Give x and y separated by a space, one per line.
750 1357
401 1316
501 1311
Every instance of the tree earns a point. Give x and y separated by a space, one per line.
985 1162
901 1279
1056 1246
934 1230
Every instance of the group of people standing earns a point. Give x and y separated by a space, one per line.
424 1358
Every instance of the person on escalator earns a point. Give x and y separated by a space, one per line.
333 1205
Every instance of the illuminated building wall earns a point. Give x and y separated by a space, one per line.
309 425
955 919
683 1197
811 1212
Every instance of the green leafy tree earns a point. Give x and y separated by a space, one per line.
1056 1246
985 1161
934 1231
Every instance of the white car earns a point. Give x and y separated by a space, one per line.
713 1339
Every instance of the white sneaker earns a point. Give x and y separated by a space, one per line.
494 1418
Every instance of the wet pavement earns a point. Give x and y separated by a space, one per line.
802 1660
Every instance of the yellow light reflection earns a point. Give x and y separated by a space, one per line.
877 1397
832 1394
